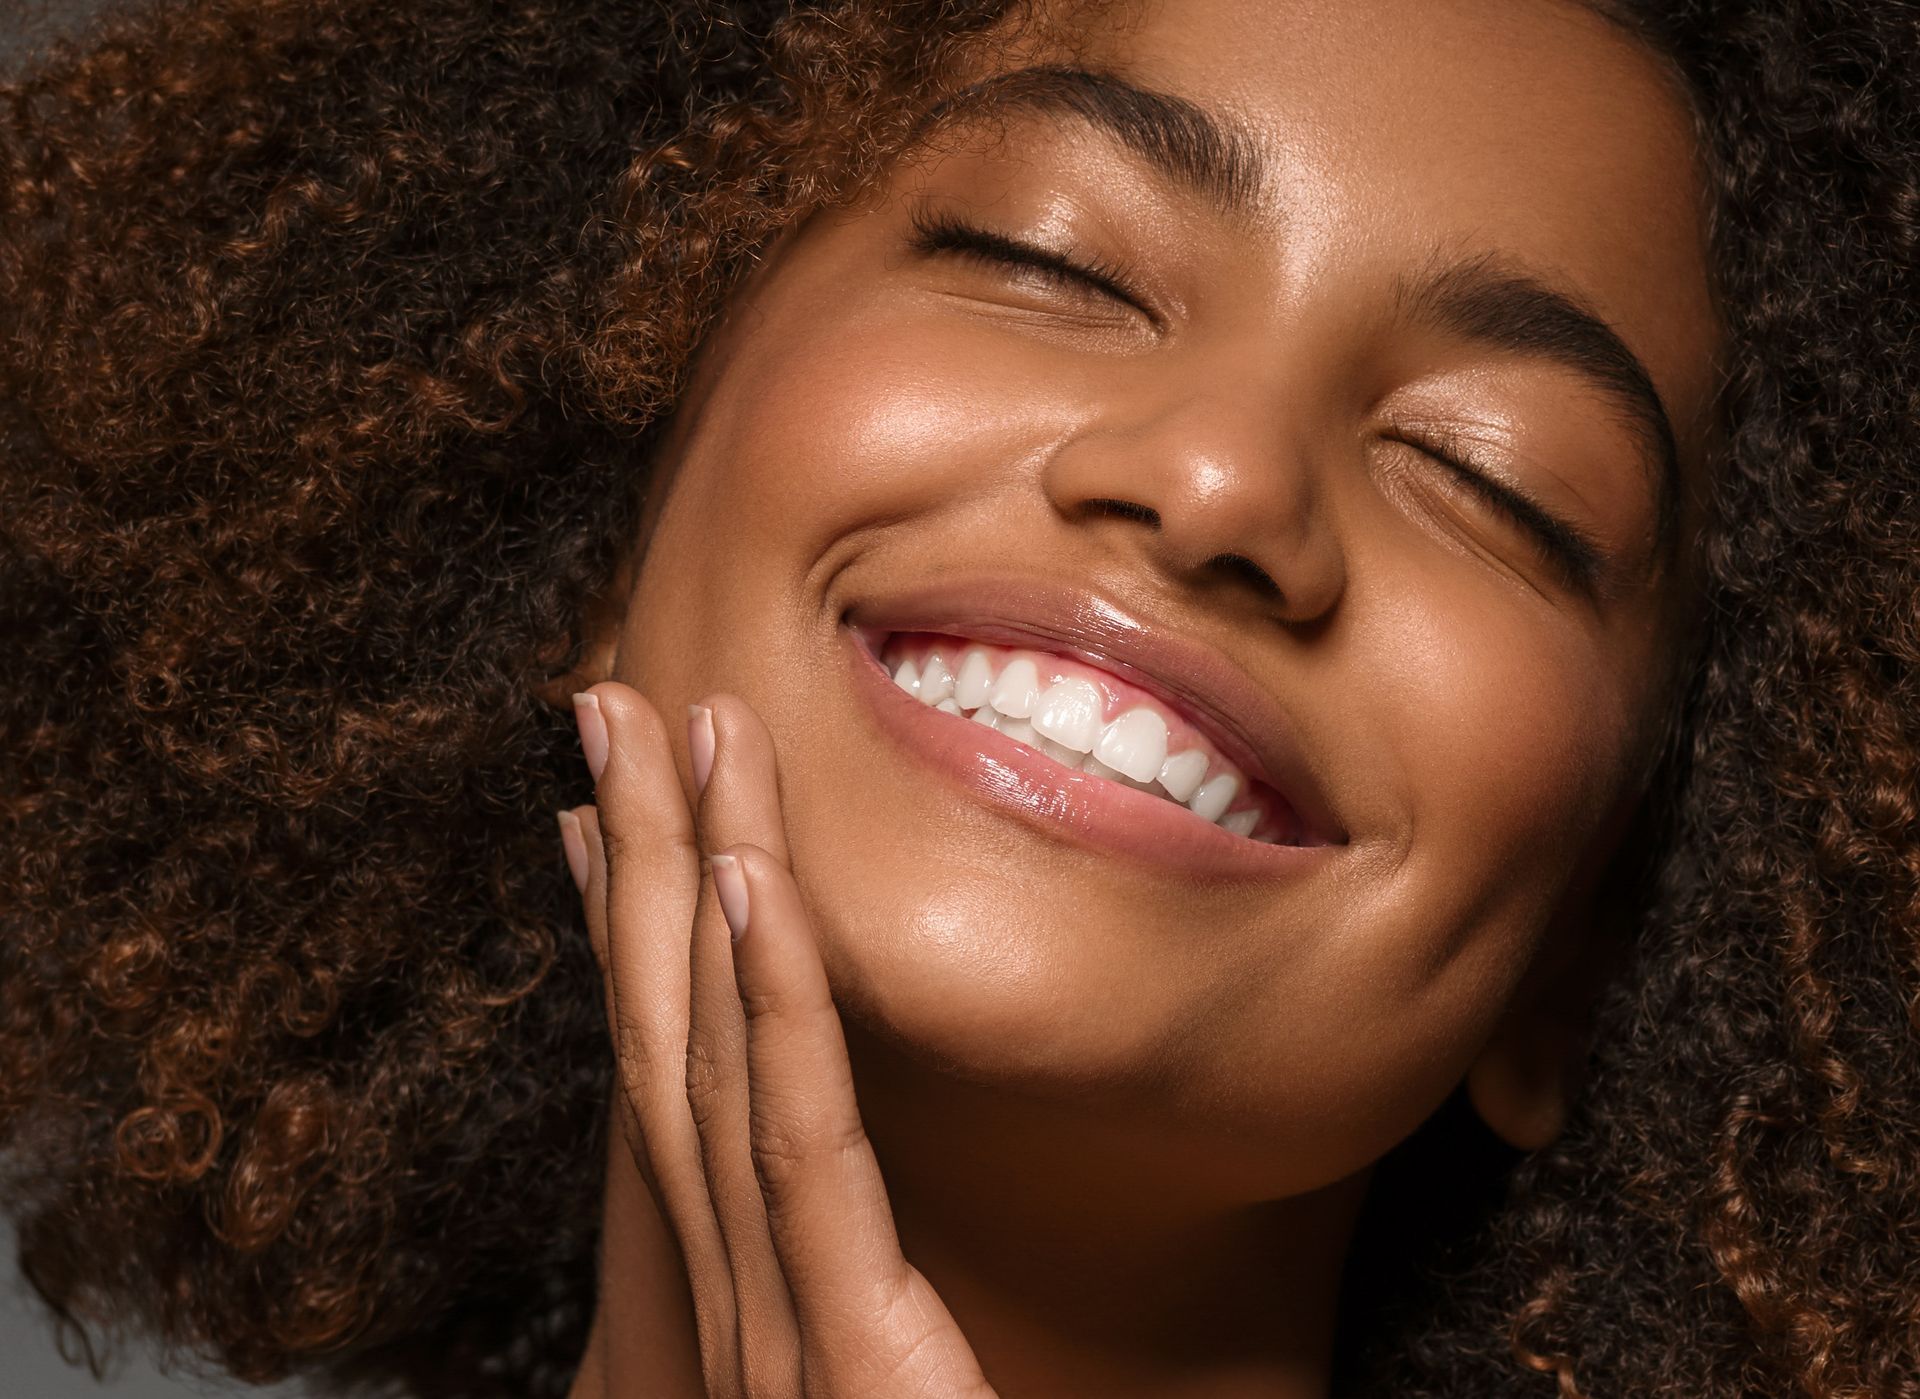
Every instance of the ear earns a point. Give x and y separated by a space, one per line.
1528 1072
1521 1085
601 621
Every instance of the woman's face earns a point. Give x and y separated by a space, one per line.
1353 458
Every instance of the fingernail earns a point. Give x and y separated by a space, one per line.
593 731
730 883
701 743
573 840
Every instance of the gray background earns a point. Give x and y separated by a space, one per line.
31 1367
30 1364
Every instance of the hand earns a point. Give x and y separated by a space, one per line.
736 1094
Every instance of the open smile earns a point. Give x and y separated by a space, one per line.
1090 722
1058 707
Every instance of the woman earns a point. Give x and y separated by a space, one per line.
1289 604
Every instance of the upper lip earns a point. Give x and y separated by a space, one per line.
1242 719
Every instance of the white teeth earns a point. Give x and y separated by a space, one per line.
1069 714
1064 722
1017 690
1183 773
1059 752
1020 731
1240 823
1215 796
975 680
1135 743
936 681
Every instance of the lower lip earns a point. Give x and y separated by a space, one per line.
1087 811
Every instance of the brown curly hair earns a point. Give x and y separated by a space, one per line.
334 336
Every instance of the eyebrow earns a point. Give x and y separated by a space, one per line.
1482 298
1487 301
1181 140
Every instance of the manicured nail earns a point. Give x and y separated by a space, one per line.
701 743
574 841
730 883
593 731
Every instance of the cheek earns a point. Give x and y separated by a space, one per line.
1508 733
1515 731
1498 744
827 431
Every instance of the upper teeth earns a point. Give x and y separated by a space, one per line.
1018 688
1065 721
1069 714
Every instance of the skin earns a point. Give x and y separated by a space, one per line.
1125 1120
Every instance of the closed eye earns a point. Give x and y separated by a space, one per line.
943 233
1576 557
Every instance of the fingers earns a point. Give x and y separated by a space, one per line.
740 803
642 890
825 1200
734 1070
827 1207
739 797
647 871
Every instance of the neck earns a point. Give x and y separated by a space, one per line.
1076 1258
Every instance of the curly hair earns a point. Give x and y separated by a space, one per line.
334 339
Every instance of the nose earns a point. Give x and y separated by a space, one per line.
1211 491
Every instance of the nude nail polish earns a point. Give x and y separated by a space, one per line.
594 742
700 744
730 883
574 842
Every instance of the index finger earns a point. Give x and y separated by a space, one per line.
826 1203
869 1322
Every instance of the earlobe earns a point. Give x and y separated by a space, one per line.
1522 1083
1529 1071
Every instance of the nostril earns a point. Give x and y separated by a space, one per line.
1128 510
1240 566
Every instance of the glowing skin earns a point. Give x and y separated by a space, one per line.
1126 1110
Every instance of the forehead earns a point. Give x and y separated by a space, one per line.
1394 133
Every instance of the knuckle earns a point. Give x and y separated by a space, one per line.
762 1004
773 1004
651 1091
705 1084
779 1159
616 843
785 1151
637 1081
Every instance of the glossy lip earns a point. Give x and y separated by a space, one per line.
1222 701
1091 812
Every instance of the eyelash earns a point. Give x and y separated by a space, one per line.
1572 553
944 233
